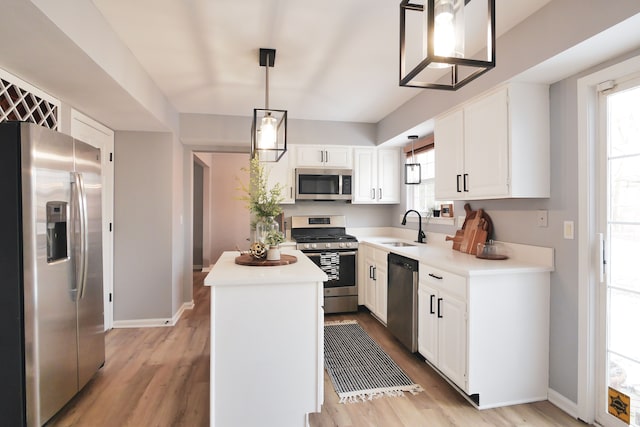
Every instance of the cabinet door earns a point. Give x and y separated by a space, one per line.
338 157
449 156
309 156
381 292
282 172
381 284
486 146
388 190
452 338
427 323
364 175
369 287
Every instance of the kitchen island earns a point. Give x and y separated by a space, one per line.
267 342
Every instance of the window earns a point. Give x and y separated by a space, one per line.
421 197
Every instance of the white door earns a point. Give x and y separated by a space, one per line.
99 136
618 296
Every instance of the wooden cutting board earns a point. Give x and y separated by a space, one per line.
457 239
470 230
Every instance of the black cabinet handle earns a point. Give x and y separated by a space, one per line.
371 272
466 175
435 277
374 273
439 306
458 183
431 304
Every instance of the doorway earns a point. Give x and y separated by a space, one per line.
618 227
198 192
225 217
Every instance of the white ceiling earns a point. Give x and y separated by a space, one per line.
336 59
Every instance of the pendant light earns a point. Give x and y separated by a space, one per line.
269 126
412 171
445 44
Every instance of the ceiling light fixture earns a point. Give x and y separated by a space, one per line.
412 171
446 44
269 127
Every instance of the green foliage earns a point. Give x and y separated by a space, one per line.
274 238
261 201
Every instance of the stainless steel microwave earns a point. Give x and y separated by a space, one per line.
323 184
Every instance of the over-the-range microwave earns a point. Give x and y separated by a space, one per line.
323 184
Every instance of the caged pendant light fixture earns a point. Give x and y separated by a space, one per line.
269 126
412 171
445 44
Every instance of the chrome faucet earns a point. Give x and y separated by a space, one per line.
421 236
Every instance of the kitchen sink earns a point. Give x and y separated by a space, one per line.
398 244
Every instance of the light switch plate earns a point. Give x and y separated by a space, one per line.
568 231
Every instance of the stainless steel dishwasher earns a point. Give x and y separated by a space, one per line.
402 300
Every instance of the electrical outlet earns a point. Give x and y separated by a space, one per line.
541 216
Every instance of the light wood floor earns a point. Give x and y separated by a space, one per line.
157 377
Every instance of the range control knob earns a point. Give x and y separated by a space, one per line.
313 245
306 246
342 244
327 245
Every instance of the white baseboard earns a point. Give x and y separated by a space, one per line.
563 403
207 269
154 323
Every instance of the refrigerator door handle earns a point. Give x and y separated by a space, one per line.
81 203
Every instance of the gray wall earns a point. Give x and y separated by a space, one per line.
143 226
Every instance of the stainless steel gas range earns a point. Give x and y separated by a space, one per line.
324 240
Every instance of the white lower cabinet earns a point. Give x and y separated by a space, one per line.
488 334
442 327
375 280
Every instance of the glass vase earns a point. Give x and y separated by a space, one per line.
264 226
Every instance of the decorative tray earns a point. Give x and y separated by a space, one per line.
492 256
246 259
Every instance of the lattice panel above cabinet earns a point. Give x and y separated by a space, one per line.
17 103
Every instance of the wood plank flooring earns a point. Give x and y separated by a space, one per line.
159 377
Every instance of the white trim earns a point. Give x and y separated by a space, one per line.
94 133
563 403
154 323
587 264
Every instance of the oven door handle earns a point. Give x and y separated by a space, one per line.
315 254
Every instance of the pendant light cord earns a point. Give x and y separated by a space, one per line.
266 90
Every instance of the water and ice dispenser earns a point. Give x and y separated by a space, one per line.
57 247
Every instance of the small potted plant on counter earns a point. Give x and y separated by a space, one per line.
273 240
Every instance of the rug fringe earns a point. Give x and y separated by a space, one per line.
340 322
364 395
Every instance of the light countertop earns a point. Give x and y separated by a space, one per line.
226 272
438 253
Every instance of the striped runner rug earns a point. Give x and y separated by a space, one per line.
359 369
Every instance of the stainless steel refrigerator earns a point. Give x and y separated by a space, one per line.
51 299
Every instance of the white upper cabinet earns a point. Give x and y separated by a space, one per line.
317 156
496 146
282 172
376 175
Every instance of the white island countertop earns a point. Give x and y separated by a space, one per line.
226 272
